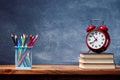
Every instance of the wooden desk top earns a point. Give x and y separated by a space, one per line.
59 70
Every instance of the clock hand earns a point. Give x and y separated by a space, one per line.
93 41
95 38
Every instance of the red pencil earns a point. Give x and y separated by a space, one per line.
31 39
34 40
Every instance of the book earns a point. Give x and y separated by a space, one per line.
97 66
96 60
96 55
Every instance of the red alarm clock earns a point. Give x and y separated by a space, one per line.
97 38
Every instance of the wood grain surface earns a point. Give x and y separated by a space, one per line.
58 69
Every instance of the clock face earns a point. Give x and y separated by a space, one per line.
96 39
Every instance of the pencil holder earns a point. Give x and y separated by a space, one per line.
23 57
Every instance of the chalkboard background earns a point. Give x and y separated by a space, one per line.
60 25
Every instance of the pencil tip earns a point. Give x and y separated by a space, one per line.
12 35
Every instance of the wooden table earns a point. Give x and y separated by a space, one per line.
63 72
58 69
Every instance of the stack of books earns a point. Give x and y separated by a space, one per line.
96 61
